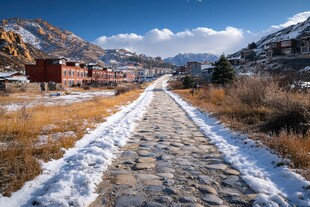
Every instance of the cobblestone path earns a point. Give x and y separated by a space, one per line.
168 162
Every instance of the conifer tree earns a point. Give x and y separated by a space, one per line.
223 71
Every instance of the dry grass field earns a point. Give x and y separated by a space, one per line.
34 134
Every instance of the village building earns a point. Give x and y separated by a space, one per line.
194 68
57 70
305 45
11 77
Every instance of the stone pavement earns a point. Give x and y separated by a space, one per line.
168 162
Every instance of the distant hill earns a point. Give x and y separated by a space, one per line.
182 59
121 57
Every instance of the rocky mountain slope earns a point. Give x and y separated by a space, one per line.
120 57
53 40
14 52
280 64
294 31
182 59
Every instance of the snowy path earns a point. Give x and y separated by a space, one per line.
169 162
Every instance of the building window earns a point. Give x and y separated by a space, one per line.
286 44
69 72
65 73
78 74
72 72
65 82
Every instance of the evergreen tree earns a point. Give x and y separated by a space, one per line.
189 82
223 71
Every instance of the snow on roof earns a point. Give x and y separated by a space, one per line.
8 74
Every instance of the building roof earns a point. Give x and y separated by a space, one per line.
8 74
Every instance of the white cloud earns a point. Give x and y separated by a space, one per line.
164 42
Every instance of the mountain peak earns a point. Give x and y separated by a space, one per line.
183 58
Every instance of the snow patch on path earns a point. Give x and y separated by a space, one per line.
72 180
276 186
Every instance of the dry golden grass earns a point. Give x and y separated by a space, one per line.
20 151
261 112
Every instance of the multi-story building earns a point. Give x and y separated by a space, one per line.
57 70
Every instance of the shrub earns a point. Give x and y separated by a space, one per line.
250 91
177 84
86 87
189 82
290 112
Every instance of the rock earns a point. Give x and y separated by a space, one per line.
229 192
217 167
205 179
165 170
212 199
164 199
164 164
194 205
208 190
153 182
176 144
168 182
128 154
231 172
145 153
125 179
154 204
188 199
183 162
146 159
147 177
128 201
155 188
237 200
164 157
232 181
166 175
142 166
170 191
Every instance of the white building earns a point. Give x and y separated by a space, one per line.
13 77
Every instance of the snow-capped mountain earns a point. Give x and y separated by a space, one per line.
52 40
292 32
182 59
121 57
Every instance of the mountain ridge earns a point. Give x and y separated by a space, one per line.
183 58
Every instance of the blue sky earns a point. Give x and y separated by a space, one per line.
92 19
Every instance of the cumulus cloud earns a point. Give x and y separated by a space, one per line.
165 43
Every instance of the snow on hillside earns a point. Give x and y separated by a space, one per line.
182 59
27 36
291 32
